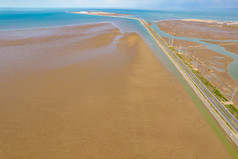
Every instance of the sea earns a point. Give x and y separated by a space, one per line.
22 18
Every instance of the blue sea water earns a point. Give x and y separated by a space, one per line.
17 18
35 18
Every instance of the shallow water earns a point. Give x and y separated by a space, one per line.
29 18
14 19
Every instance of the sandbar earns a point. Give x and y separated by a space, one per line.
99 13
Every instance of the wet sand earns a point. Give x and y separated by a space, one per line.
213 65
92 92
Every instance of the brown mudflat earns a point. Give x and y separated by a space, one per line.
204 29
213 65
92 92
200 29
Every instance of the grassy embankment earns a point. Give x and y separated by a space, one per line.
213 89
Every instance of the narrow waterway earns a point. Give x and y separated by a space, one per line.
232 68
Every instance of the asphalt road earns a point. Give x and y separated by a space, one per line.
215 103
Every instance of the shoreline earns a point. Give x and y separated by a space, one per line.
57 26
99 13
106 15
232 135
124 99
201 20
211 21
104 102
216 116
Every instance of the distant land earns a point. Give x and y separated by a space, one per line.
99 13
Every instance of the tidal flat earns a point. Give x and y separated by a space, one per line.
91 91
212 64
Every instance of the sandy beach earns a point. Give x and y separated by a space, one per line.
92 92
100 13
213 65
